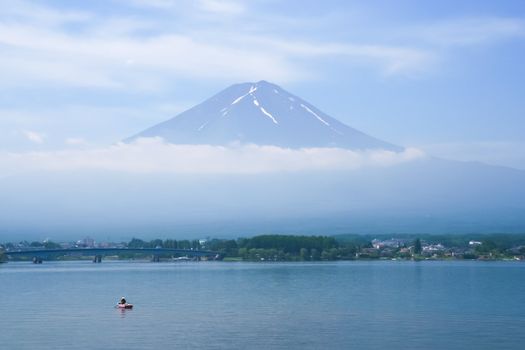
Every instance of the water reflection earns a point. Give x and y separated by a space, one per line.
123 311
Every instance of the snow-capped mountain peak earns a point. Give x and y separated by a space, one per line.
261 113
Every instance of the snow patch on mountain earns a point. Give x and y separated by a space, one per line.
318 117
269 115
202 126
237 100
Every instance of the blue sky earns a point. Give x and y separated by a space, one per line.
445 77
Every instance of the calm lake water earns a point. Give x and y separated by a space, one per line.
215 305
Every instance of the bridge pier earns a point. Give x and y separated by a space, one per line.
97 259
37 260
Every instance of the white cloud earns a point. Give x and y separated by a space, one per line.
153 155
140 53
43 15
149 53
217 7
472 31
125 61
100 124
34 136
76 141
392 59
222 7
161 4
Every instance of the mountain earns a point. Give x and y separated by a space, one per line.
260 113
423 195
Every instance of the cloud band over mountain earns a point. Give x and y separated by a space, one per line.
154 155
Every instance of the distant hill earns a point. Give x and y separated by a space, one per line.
426 196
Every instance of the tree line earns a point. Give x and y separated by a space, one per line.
283 248
168 243
263 247
342 247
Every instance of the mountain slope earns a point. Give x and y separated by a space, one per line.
427 196
260 113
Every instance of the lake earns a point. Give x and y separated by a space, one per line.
218 305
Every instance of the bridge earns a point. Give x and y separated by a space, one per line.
38 255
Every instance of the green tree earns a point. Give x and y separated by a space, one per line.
195 244
228 247
243 253
486 246
303 253
52 245
156 243
184 244
348 251
136 243
417 246
170 243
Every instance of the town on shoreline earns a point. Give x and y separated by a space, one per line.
311 248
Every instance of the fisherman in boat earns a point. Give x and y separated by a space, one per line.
122 301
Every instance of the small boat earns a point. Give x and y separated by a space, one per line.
125 306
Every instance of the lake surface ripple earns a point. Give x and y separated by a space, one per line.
217 305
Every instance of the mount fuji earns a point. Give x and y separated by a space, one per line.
264 114
425 194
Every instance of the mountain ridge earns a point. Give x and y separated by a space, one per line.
260 113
